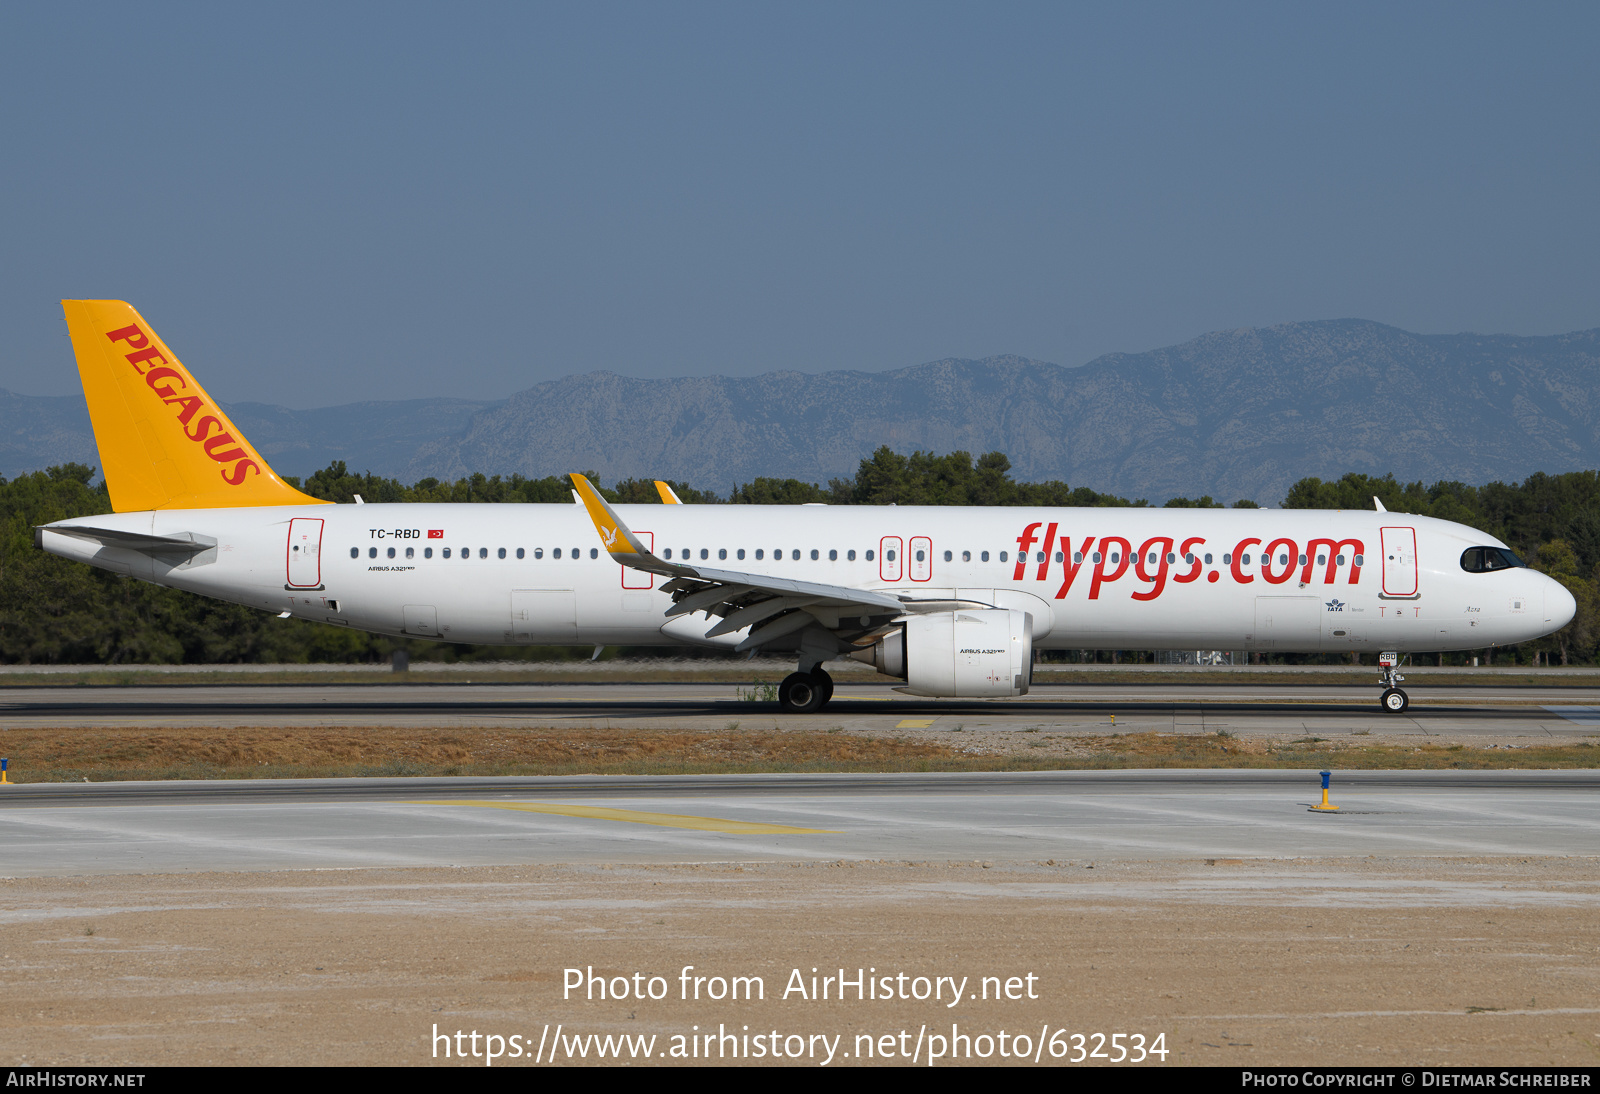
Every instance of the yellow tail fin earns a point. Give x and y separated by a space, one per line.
164 444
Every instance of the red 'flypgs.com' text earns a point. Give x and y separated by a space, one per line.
1160 559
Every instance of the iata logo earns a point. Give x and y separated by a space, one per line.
220 447
1336 605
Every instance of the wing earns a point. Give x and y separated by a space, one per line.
772 607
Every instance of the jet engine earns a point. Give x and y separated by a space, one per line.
982 654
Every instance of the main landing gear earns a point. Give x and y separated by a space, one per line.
805 692
1393 700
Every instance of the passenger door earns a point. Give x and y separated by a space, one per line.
305 553
1399 561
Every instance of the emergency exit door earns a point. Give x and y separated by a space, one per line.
305 553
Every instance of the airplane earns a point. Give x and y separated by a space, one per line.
951 601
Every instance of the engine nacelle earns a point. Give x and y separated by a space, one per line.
985 653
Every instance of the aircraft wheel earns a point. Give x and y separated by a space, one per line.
825 682
1395 701
799 694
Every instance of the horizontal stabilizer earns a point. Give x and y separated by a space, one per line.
185 543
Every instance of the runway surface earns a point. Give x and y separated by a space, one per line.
110 828
1489 710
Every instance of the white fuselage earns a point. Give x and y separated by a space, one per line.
383 568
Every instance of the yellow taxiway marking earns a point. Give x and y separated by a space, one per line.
915 723
634 816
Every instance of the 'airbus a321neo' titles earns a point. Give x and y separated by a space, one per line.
953 601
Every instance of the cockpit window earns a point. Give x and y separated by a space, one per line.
1481 560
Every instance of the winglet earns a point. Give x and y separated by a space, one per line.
1378 505
668 495
622 544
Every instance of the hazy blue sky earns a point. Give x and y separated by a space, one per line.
323 203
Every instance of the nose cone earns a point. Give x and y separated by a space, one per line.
1559 606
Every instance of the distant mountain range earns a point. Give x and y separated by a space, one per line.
1234 414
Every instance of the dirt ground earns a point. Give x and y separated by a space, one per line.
1255 962
220 752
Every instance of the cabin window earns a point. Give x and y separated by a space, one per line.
1245 559
1004 555
1283 560
1227 558
519 552
483 552
355 552
889 555
833 556
869 556
427 552
983 557
1077 557
411 552
850 555
922 556
391 552
501 553
1096 557
466 552
815 554
1361 560
1058 556
1302 560
1151 561
594 552
966 556
538 552
1190 558
722 552
759 553
1116 557
1321 559
704 552
948 556
740 553
556 553
1338 560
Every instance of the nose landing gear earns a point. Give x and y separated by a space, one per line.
1393 700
